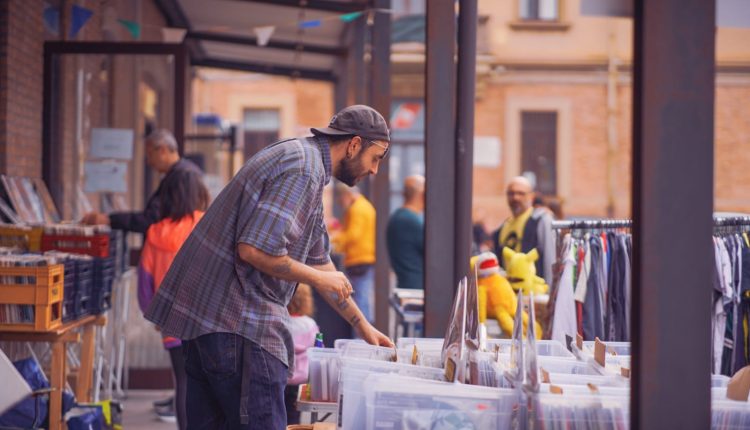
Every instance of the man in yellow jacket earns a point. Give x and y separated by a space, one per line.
356 240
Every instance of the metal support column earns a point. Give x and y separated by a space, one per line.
440 167
181 81
358 71
673 131
467 56
380 96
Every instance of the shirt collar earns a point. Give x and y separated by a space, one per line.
325 152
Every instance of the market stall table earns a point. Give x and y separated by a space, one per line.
58 338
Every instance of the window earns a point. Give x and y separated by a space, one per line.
408 7
261 128
539 150
539 10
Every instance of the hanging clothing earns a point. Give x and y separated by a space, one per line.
564 314
593 321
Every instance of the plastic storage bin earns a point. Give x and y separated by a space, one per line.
324 374
569 389
729 415
597 380
400 403
103 277
544 348
613 364
31 297
613 348
719 380
423 343
341 343
380 353
354 371
552 411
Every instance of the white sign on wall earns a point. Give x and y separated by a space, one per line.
112 143
105 176
487 152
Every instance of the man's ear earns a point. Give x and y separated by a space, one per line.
352 148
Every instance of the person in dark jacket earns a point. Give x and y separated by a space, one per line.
162 155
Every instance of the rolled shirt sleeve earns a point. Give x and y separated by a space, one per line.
321 249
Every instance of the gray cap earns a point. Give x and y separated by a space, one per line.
357 120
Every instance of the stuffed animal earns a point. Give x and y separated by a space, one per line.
521 271
496 297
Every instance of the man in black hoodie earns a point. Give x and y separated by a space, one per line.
162 155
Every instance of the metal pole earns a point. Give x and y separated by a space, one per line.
467 56
440 167
180 90
380 95
673 131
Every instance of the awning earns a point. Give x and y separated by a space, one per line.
221 33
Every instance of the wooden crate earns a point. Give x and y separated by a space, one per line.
45 294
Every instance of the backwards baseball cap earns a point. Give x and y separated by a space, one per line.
356 120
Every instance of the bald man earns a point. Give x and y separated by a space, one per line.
405 236
527 228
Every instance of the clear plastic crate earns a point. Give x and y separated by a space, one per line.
719 380
373 352
579 411
558 365
613 348
570 389
613 364
544 348
400 403
597 380
423 343
729 415
354 371
324 364
341 343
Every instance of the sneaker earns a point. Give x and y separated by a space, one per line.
162 403
167 417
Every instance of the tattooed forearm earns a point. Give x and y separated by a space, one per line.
283 268
343 305
354 320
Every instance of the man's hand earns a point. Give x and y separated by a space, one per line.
371 335
333 284
95 218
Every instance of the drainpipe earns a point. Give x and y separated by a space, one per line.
612 76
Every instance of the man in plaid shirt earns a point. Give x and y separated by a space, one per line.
226 292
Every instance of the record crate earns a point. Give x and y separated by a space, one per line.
104 275
95 246
28 238
31 298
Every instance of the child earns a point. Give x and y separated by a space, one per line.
303 329
182 203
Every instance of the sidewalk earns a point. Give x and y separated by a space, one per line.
138 412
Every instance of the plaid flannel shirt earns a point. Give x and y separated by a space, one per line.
274 203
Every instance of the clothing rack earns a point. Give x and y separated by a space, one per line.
719 221
591 224
731 221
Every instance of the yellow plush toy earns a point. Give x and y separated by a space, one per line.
522 271
496 297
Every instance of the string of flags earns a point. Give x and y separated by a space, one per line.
80 16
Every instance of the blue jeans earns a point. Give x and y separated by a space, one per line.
362 278
232 383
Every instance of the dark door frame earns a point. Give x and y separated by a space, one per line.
51 143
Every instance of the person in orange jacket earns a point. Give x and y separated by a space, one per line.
183 202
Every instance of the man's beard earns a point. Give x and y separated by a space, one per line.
350 170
